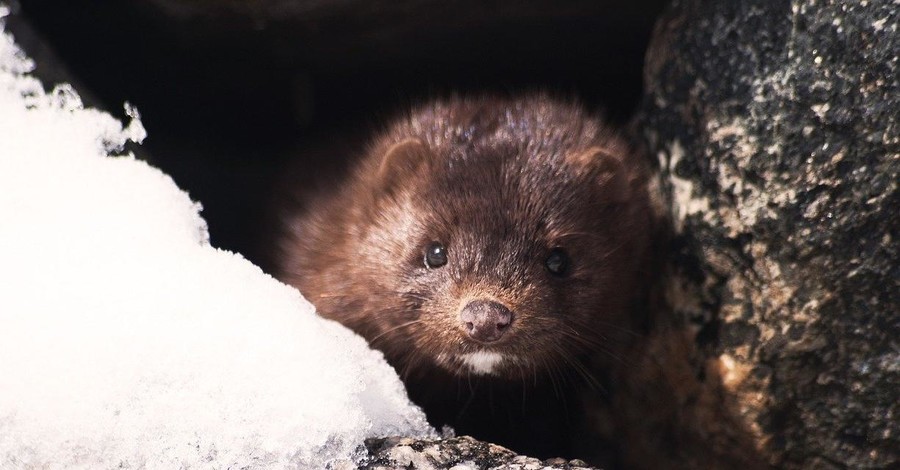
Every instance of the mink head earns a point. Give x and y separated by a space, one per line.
482 237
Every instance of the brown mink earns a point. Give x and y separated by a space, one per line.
493 249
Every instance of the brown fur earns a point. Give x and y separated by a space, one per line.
500 183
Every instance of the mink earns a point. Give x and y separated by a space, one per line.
495 249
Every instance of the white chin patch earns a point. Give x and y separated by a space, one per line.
482 362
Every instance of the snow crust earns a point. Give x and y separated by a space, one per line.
127 341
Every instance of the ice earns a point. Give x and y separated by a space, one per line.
127 341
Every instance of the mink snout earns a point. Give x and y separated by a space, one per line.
485 320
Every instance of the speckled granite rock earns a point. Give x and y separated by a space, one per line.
777 126
456 453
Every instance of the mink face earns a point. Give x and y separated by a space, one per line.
486 236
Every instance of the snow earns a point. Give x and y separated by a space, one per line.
127 341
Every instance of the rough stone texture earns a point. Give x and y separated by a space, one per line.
776 127
455 453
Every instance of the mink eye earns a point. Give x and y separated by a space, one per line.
557 262
435 255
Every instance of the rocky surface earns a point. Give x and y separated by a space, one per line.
776 127
456 453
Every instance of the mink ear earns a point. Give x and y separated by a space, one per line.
401 161
607 169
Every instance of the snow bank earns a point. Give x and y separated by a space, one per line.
126 340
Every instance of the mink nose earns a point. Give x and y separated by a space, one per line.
485 321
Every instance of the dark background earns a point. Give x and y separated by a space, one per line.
231 90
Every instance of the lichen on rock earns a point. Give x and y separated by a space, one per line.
776 127
454 453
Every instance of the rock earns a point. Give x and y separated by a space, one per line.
454 453
776 128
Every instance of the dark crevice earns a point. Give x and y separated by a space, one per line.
229 90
